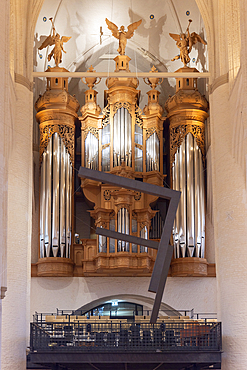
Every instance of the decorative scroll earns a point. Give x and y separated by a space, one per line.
138 113
118 105
93 130
151 130
178 133
66 133
106 114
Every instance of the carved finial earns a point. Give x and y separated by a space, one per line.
153 81
55 39
91 81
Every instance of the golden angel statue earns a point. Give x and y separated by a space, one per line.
184 42
55 39
121 34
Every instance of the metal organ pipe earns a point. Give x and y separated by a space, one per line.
55 200
122 137
48 192
197 204
42 206
55 195
202 201
190 194
182 207
152 152
62 230
188 177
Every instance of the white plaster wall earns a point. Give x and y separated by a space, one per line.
230 215
48 294
16 305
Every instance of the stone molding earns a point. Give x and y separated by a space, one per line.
3 291
218 82
22 80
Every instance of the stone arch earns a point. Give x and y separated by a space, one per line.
147 302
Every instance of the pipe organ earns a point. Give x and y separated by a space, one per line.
187 111
123 140
56 114
129 145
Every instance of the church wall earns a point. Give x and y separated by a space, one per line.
48 294
16 304
230 214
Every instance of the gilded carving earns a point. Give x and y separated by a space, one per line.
65 132
121 104
184 42
93 130
106 113
107 194
151 130
121 34
138 113
56 40
178 133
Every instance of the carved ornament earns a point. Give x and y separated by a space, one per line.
123 104
138 113
178 133
67 134
151 130
189 100
93 130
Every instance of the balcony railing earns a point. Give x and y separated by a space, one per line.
167 335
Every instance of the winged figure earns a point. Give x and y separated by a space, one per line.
184 42
55 39
121 34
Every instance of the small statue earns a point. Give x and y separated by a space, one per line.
122 35
55 39
184 43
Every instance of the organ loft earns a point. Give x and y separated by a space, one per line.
124 140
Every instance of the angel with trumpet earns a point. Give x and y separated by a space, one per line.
55 39
184 42
121 34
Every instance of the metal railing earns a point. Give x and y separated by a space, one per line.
125 336
40 317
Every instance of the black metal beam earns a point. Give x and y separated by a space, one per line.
124 182
164 255
166 357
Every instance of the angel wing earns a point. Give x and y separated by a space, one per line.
175 36
48 42
131 28
65 38
113 28
194 38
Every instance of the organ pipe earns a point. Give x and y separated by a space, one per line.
152 152
55 200
91 151
55 195
123 224
188 177
122 141
48 200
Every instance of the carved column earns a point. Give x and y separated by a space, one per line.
187 111
56 115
